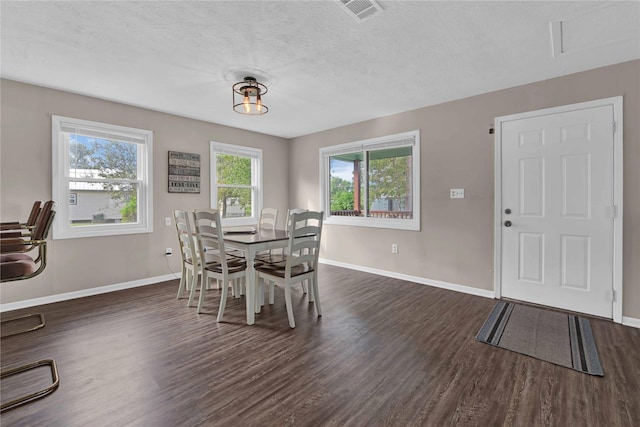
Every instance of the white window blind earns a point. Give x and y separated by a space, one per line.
234 150
97 132
370 145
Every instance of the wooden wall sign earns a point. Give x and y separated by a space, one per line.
184 172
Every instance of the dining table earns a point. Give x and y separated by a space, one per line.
251 241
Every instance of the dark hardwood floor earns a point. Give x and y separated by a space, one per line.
385 352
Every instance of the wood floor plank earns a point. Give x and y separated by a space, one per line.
385 352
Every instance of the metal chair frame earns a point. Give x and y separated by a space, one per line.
22 331
39 394
39 241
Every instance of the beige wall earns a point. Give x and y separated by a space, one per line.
79 264
455 244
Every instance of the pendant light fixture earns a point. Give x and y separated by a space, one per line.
247 97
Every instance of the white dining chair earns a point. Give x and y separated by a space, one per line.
275 257
268 221
210 245
301 263
268 218
293 211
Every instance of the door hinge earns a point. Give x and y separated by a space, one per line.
613 295
614 127
612 211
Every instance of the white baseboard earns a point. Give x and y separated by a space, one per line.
435 283
631 321
85 293
627 321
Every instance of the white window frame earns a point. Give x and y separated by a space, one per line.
61 227
256 180
412 139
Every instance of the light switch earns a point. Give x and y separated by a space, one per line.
457 193
167 221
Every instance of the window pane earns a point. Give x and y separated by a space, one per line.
345 184
104 171
103 203
234 202
233 170
236 183
373 182
102 158
390 183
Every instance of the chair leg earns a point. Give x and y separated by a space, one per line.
234 287
262 295
22 331
310 285
314 283
204 285
287 300
183 282
239 285
272 285
243 286
223 300
259 294
194 285
23 400
191 277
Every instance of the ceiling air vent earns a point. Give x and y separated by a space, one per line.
360 9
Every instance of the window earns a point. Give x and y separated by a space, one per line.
105 172
236 183
372 183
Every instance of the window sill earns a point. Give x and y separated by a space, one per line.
98 231
395 224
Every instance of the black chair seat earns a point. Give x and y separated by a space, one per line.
280 270
233 266
271 258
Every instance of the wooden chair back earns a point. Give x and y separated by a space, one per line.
305 233
292 211
185 236
209 237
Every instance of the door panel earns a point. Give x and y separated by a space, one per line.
532 187
574 264
532 257
557 179
575 186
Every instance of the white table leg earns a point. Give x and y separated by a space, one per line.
250 296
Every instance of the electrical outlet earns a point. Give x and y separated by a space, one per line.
457 193
167 221
394 248
168 251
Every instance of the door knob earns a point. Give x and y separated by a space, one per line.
507 223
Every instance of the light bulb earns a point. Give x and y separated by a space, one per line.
259 103
247 106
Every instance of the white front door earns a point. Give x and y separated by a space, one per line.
557 209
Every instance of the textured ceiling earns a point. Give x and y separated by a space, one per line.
322 67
